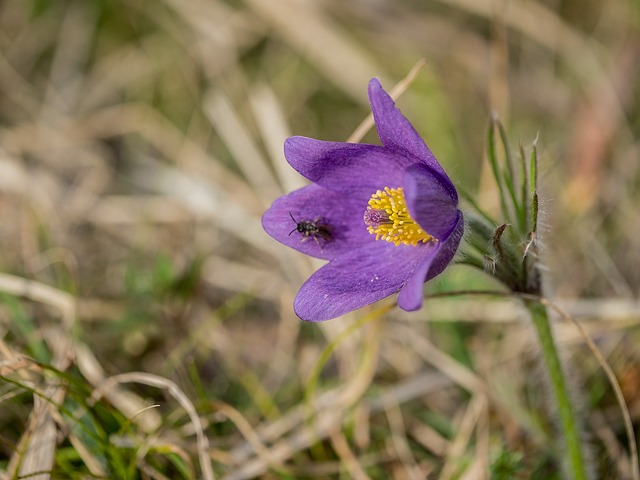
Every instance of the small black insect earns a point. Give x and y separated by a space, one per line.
313 229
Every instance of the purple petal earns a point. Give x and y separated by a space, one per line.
358 278
447 249
432 202
395 131
340 218
410 297
350 168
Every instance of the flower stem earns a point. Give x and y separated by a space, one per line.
566 410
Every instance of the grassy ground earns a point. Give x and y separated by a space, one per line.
146 328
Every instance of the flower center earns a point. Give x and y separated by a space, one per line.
388 219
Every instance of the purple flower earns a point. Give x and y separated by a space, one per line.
386 217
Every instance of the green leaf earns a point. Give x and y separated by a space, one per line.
492 156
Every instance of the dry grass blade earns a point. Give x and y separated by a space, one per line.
34 454
152 442
347 457
39 443
85 452
400 444
246 154
470 420
205 200
16 363
320 40
40 292
239 277
187 154
130 404
614 448
453 369
175 392
274 130
250 435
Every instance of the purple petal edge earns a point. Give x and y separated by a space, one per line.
351 168
354 280
411 297
431 200
395 131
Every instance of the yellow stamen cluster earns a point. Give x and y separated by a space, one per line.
388 219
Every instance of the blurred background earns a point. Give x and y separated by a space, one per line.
146 321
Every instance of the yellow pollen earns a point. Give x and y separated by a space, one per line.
388 219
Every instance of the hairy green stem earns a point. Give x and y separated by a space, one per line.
566 410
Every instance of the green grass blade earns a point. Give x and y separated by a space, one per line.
492 156
533 186
524 192
510 179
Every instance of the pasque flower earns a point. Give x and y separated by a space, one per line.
385 216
